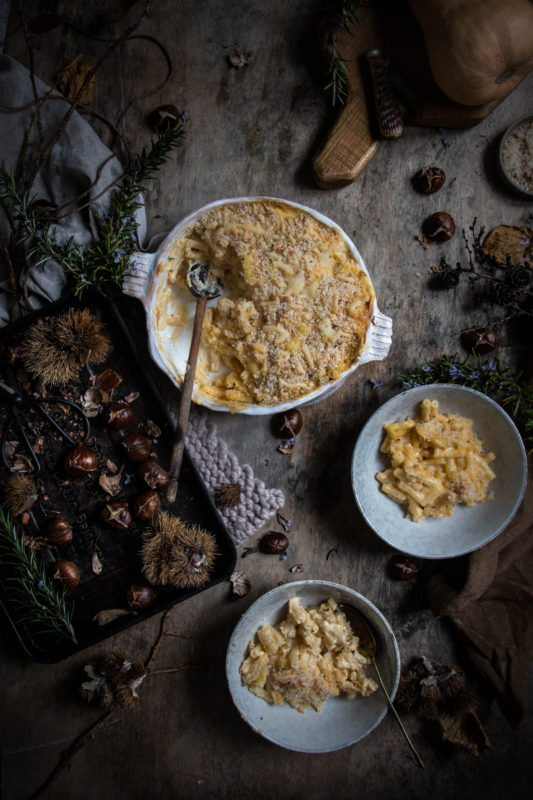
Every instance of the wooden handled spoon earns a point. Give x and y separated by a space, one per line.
368 646
204 287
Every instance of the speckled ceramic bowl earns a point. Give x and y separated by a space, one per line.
170 351
468 528
341 722
510 179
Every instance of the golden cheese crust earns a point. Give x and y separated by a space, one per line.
295 308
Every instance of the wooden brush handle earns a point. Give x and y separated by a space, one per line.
185 402
389 121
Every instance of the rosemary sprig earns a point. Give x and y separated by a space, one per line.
344 15
40 603
107 259
491 377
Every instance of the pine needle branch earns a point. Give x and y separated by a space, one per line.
490 377
107 259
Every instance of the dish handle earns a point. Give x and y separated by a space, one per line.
379 338
138 281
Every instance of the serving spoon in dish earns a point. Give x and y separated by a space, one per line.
204 286
368 646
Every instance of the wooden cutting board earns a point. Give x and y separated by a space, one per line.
353 140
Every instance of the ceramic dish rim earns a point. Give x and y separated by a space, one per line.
365 602
516 435
524 193
317 394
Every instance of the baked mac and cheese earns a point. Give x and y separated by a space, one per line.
295 307
309 656
437 462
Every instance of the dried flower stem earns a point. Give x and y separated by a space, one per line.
44 152
68 754
176 669
159 640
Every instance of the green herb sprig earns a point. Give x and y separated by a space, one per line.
107 259
344 15
491 377
40 603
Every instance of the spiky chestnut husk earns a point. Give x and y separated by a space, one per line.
55 350
175 553
112 681
20 493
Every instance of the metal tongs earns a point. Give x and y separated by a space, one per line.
21 403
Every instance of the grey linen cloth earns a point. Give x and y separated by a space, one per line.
76 161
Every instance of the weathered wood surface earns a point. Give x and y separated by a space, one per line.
251 132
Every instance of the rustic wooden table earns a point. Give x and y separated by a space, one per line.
250 132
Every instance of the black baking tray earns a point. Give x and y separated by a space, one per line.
81 500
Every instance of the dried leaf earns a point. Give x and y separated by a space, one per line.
112 467
240 58
465 731
96 564
423 240
111 483
510 246
71 79
286 447
151 429
297 568
110 615
240 583
108 380
131 397
21 463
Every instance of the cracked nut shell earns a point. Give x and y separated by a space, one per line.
403 568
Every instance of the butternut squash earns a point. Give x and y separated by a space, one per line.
478 50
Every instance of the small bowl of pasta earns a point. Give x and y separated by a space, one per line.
438 471
296 673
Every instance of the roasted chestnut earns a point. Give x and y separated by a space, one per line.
66 573
429 180
164 118
287 424
81 461
154 475
118 415
273 542
145 505
117 515
58 532
480 340
140 596
439 227
137 447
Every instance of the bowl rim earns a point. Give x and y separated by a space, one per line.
331 585
518 190
512 427
376 317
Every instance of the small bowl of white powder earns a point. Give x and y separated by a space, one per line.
515 157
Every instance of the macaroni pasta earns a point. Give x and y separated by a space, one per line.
310 656
437 462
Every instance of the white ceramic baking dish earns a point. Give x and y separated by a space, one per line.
171 354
